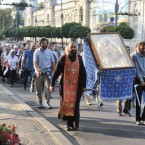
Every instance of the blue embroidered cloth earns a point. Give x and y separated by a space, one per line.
117 84
90 66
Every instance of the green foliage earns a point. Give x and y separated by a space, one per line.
1 34
125 31
6 18
123 24
76 31
67 27
8 135
111 29
11 32
41 5
58 32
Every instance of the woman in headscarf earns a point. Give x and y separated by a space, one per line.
12 64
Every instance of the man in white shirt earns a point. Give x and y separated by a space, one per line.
44 64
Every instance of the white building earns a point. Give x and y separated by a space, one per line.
137 18
81 11
92 13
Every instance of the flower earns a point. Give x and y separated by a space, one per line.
8 135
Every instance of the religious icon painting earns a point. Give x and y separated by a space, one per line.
110 51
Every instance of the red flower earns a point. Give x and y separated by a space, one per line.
14 128
8 135
3 133
15 138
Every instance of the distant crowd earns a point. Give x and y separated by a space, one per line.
16 62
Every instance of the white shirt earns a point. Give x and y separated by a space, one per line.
12 61
44 58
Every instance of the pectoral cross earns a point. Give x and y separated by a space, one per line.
73 70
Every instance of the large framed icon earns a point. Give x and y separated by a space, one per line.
110 51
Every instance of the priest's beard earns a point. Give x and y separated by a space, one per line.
72 55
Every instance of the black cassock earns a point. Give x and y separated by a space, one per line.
59 70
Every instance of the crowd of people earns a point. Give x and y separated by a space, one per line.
43 64
17 62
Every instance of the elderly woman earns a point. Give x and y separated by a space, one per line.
12 64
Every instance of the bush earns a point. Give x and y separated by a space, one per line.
8 135
1 34
125 31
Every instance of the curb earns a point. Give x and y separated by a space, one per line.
59 138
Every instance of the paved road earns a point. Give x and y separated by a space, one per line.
29 130
96 127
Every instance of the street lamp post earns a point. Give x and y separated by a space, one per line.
61 21
3 23
116 13
143 22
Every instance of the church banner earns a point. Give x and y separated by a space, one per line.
114 83
117 84
90 66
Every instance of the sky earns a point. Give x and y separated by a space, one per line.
11 1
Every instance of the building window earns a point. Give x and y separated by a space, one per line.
105 17
81 14
48 17
100 18
135 11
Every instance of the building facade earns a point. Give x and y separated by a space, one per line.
95 14
137 18
84 12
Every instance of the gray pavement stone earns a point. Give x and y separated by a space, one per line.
30 131
96 127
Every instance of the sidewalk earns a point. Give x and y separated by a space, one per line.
96 127
14 111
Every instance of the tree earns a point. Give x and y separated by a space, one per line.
41 5
78 31
1 34
66 29
125 31
5 18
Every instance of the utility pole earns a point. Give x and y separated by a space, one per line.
116 13
61 21
17 24
3 23
143 22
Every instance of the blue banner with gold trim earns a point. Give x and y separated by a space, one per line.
90 66
117 84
